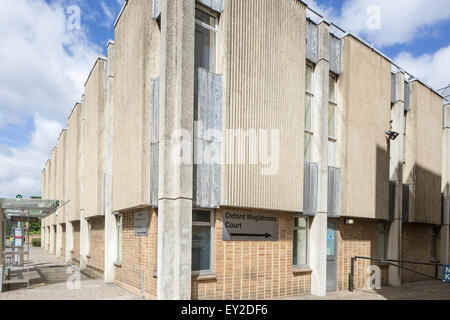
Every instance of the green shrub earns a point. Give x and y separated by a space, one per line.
36 242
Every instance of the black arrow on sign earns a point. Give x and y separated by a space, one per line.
267 235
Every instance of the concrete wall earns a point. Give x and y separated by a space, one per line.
253 270
94 104
74 163
138 256
136 62
52 178
61 167
264 90
423 156
76 242
363 117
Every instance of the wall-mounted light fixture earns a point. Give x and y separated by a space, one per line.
349 221
392 135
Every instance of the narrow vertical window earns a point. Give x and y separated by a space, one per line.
300 245
309 124
382 240
205 40
202 241
332 105
119 219
435 243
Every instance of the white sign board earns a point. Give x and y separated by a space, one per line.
18 235
141 224
249 226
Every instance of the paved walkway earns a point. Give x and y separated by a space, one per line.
426 290
52 279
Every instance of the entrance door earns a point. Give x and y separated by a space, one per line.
332 256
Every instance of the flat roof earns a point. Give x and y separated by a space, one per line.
33 208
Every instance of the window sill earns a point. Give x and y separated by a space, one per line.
301 270
204 277
118 264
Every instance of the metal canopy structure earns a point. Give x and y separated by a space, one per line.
32 208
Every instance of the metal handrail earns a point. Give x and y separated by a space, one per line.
391 263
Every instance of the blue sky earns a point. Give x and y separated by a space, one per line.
44 64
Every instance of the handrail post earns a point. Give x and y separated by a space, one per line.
352 275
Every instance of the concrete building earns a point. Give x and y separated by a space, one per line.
230 149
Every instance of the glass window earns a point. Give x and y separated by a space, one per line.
308 146
309 79
202 236
119 239
331 153
308 113
382 240
332 89
434 243
205 41
331 121
300 245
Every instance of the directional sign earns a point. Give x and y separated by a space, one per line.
249 226
446 273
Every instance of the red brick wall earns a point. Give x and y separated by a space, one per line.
76 242
138 255
253 270
63 240
417 247
96 260
359 239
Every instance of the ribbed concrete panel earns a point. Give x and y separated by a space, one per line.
334 192
156 9
265 81
154 144
363 117
216 5
310 188
208 139
136 63
312 41
423 168
52 178
95 104
74 163
61 165
335 54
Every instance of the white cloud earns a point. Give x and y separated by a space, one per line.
434 69
20 168
43 67
400 21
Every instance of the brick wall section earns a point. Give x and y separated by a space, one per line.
253 270
76 242
63 241
417 247
359 239
96 261
138 255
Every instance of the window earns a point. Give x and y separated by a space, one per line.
332 105
89 226
300 246
205 40
434 243
382 240
119 219
202 241
309 124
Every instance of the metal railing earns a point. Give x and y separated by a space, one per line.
400 265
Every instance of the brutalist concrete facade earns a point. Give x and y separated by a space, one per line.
351 156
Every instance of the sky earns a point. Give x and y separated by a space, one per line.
48 47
